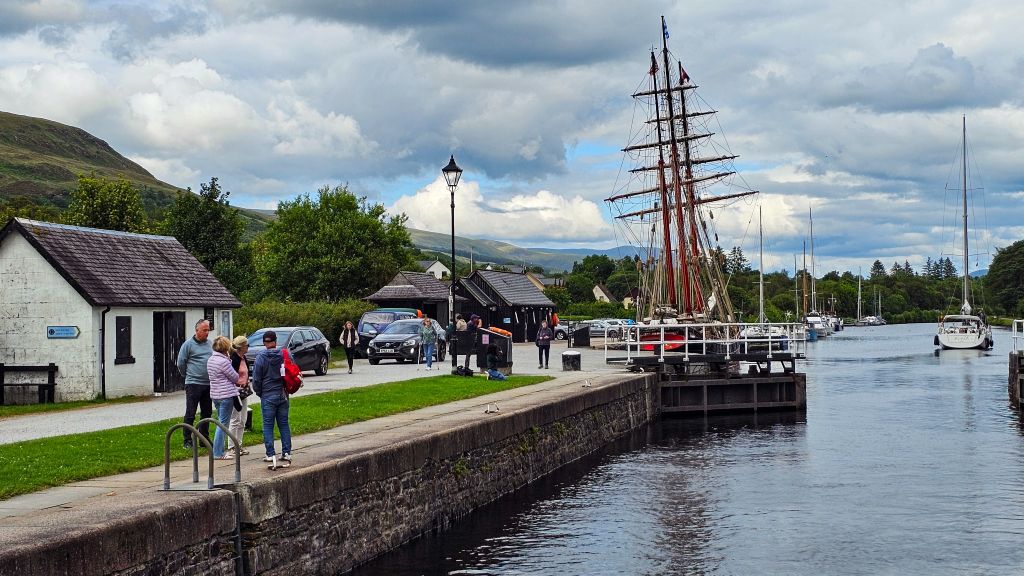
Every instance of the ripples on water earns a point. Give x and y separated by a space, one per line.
906 462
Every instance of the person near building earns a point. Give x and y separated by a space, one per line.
268 383
544 336
492 364
191 362
470 336
348 339
239 347
223 392
428 341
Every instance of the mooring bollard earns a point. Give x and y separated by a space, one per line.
571 361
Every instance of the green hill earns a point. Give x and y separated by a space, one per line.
40 161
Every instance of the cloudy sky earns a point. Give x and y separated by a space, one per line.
853 109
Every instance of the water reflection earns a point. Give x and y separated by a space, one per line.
905 463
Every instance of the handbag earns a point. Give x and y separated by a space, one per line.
244 392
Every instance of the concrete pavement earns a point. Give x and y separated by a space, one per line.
39 508
89 419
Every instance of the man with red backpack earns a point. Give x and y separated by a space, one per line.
269 383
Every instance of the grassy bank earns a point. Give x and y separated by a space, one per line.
19 409
37 464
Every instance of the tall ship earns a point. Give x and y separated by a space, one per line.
678 174
969 328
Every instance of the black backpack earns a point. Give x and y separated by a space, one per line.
463 371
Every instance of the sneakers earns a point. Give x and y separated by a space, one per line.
188 444
274 463
545 366
349 370
539 367
287 457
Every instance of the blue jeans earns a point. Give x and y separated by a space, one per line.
495 375
224 408
428 354
275 409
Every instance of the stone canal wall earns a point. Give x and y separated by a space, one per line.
331 516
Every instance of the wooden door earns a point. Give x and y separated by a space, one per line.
168 336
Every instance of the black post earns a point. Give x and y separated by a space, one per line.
452 173
451 288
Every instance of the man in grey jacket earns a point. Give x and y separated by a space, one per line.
268 383
191 362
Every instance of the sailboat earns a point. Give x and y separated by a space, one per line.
763 333
665 201
813 320
965 330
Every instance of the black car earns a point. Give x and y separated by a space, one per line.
374 322
401 341
307 346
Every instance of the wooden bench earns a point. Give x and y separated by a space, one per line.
46 391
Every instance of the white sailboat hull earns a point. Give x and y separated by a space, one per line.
963 332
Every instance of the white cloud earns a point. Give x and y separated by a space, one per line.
527 219
173 170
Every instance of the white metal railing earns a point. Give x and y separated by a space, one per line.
739 338
1018 335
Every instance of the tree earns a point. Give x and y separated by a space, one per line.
620 283
209 228
559 295
330 247
927 270
1005 278
22 207
110 204
736 262
580 287
598 266
948 269
877 270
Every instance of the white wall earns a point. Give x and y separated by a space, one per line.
33 296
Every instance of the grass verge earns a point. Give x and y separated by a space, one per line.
37 464
19 409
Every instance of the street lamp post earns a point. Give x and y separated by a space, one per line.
452 173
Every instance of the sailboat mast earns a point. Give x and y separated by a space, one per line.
966 305
760 275
859 311
805 277
684 256
796 287
666 217
814 291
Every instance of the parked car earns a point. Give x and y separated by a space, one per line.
401 341
600 327
308 347
374 322
561 331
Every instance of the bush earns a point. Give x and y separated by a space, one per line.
598 310
329 317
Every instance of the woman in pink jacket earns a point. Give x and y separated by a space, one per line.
223 391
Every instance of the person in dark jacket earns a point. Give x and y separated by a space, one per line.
268 383
348 339
492 364
470 335
544 336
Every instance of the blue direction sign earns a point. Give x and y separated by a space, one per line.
62 331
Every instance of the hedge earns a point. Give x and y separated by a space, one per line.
329 317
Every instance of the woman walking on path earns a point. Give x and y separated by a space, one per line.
428 338
223 391
544 336
239 346
268 383
348 339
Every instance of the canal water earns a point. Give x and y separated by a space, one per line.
906 462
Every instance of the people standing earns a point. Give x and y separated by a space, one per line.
349 339
239 347
428 341
492 364
191 362
223 391
544 336
470 335
268 382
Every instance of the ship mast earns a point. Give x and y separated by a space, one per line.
666 217
684 248
966 307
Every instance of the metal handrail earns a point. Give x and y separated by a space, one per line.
728 334
195 452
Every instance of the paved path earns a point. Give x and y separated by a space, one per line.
30 426
67 504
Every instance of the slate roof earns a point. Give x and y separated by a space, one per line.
515 289
413 286
110 268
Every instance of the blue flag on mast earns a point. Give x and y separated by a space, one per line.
664 28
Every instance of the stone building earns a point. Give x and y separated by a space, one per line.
109 308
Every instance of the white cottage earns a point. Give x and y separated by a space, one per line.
110 309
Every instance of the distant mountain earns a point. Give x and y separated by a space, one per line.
978 273
40 160
550 259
